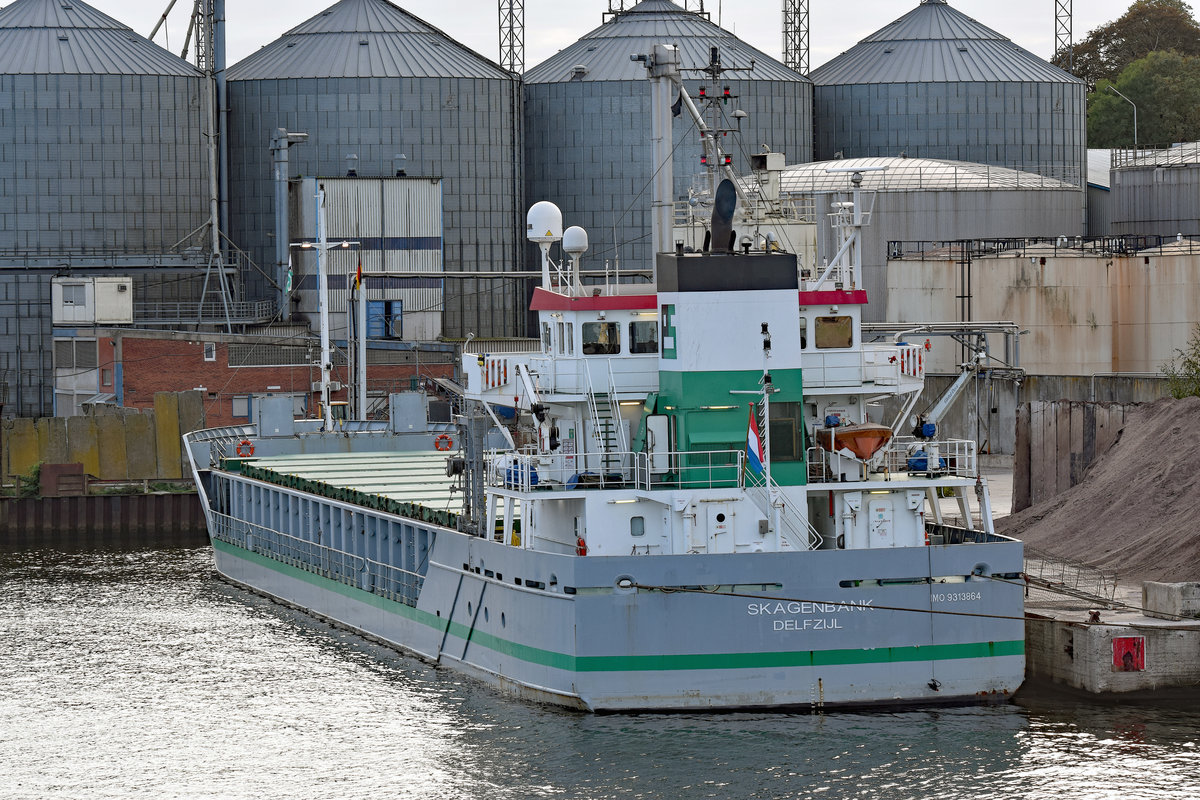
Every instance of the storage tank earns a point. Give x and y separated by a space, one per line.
587 121
364 78
100 145
937 84
936 202
1156 191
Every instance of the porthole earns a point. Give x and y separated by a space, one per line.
720 517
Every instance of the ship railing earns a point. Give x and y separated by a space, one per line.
945 457
385 580
526 470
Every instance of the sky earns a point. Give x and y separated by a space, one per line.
551 25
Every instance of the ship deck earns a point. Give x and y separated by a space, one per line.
409 483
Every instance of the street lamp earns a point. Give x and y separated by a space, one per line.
322 246
1127 100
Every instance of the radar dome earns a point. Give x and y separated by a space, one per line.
575 241
543 223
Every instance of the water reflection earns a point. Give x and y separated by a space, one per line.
139 674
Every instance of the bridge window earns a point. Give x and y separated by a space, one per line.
787 432
601 339
834 332
546 338
643 337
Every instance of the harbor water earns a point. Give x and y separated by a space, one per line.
140 674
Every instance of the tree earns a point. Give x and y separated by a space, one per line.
1165 87
1183 370
1148 26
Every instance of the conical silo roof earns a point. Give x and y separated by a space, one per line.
364 39
934 43
605 51
53 37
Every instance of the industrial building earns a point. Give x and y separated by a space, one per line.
587 121
937 84
381 93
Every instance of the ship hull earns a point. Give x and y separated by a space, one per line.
800 630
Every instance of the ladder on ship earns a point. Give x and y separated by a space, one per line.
608 435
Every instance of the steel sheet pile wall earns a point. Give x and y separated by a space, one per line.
587 132
368 79
937 84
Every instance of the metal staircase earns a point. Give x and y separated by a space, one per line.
796 530
608 435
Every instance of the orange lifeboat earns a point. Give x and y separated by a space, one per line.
864 439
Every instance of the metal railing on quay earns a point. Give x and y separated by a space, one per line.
1069 577
527 471
1043 247
363 573
210 311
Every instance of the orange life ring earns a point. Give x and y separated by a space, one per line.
245 449
443 442
580 546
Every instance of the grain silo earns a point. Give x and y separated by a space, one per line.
100 145
101 157
937 84
921 203
379 91
587 121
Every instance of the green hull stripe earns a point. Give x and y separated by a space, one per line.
656 663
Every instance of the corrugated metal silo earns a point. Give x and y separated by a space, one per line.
365 77
587 121
100 156
937 84
100 145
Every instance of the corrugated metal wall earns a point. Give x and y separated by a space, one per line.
110 163
1156 201
458 129
588 151
1035 127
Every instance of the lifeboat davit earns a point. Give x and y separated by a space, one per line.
864 439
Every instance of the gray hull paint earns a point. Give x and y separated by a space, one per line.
810 642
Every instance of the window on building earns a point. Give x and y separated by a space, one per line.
834 332
643 337
74 294
601 339
210 351
106 377
240 406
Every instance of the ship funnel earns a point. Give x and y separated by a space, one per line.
722 217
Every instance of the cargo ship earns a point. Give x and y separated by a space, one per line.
684 499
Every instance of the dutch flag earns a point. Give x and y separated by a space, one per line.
754 451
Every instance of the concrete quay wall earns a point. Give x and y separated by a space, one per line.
1089 657
141 520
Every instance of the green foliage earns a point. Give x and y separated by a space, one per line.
1165 87
1148 26
30 484
1183 371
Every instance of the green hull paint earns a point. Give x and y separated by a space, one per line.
663 662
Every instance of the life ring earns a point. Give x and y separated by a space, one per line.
580 546
443 442
245 449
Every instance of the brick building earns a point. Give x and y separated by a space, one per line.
127 367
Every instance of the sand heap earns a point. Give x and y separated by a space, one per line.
1137 510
